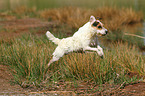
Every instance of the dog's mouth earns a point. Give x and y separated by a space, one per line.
105 33
99 34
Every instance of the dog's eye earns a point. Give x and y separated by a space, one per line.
99 27
95 24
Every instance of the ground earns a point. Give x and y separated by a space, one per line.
5 84
14 28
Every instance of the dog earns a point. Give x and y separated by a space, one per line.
81 40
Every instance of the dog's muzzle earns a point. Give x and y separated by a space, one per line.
106 31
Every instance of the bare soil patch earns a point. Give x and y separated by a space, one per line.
135 89
5 84
17 27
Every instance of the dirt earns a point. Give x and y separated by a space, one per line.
5 81
13 28
135 89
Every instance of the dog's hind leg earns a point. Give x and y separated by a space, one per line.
53 60
58 53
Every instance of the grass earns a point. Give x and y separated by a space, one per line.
28 57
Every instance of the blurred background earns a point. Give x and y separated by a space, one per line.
43 4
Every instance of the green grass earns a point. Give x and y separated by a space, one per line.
27 58
23 55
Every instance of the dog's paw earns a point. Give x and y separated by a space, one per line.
92 44
100 51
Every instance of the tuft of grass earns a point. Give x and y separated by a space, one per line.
72 16
118 62
28 57
76 17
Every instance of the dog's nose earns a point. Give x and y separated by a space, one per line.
106 31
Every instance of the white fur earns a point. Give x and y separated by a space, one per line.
79 41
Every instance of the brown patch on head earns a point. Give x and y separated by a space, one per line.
97 25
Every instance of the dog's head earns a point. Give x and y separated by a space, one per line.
97 26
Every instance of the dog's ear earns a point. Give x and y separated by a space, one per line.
92 19
99 18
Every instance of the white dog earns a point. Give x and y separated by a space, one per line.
81 40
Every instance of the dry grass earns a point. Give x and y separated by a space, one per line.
23 10
73 16
112 17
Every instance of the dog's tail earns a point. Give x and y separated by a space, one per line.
52 38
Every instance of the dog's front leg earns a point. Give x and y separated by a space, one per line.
99 50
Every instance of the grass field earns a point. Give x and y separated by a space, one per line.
27 56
